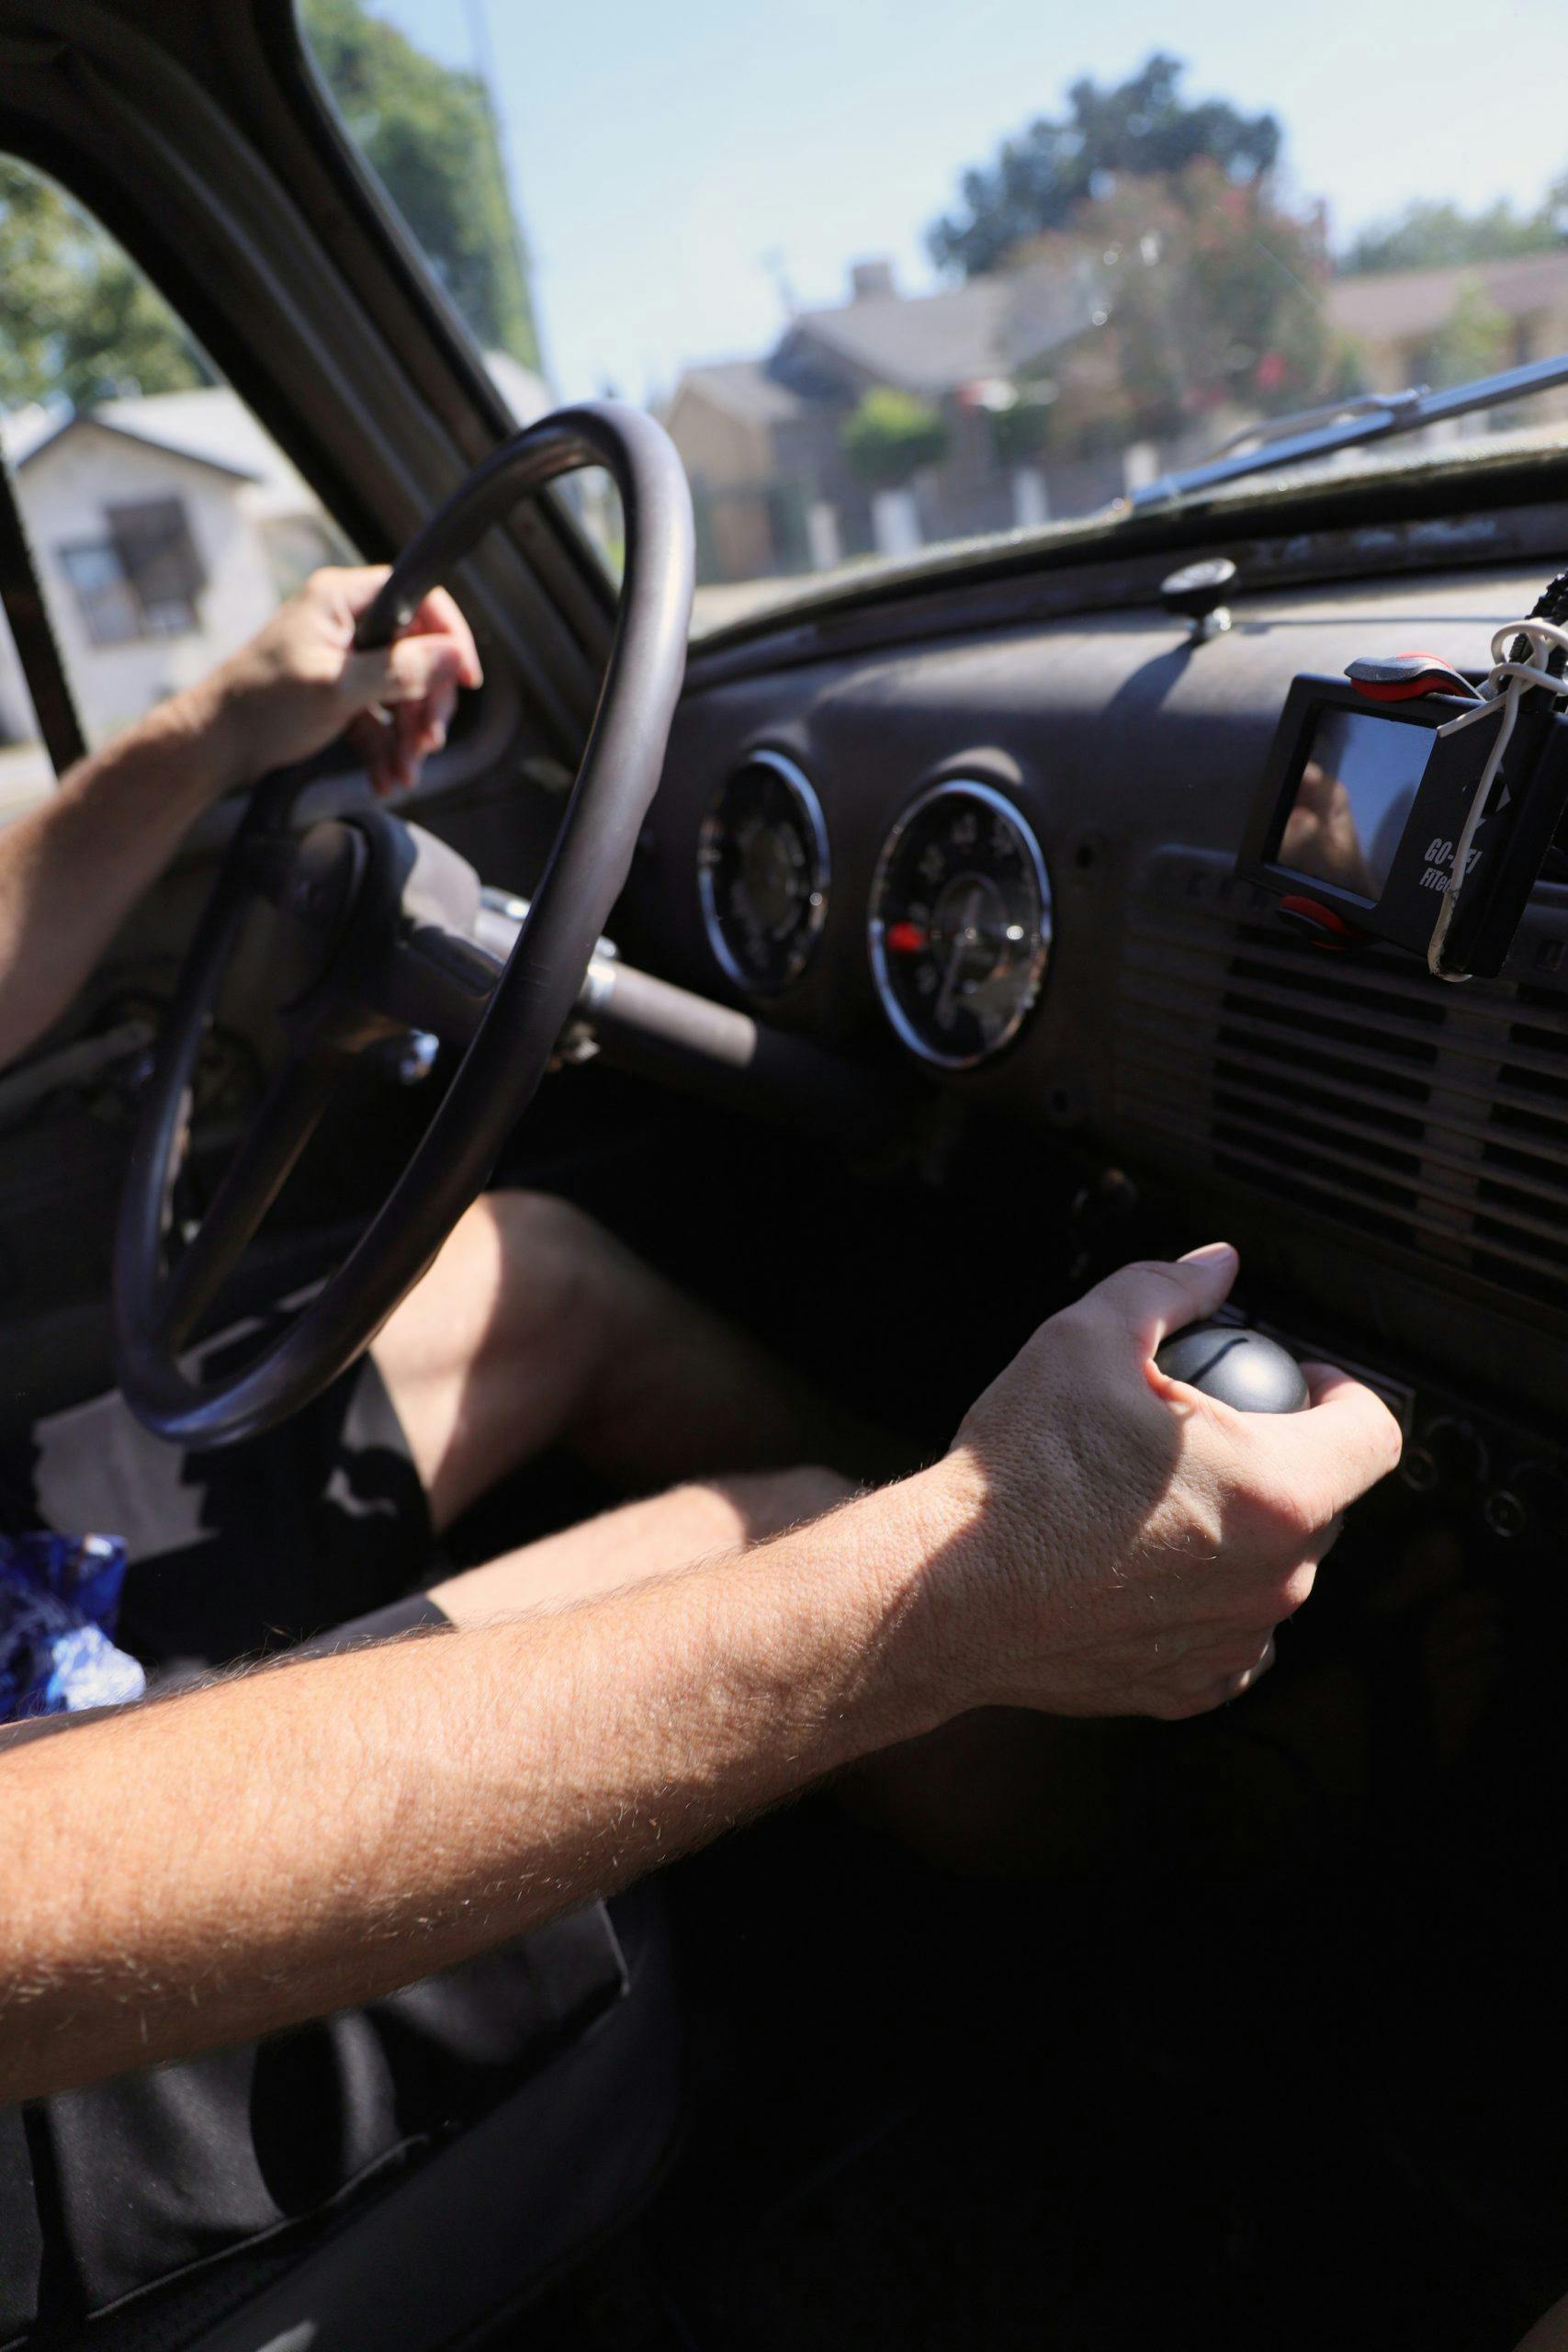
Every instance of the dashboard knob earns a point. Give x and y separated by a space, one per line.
1198 592
1239 1367
1534 1502
1459 1453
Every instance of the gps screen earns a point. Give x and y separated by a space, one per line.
1357 791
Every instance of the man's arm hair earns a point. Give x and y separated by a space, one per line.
1101 1540
201 1868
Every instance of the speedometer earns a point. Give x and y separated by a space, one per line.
960 926
763 872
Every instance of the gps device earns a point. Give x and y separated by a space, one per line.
1365 798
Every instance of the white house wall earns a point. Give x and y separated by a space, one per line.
64 490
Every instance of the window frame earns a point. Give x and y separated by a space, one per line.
207 141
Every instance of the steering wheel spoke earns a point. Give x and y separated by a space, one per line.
287 1117
435 980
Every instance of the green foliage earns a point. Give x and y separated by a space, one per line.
427 132
1474 340
1143 128
891 435
77 320
1435 236
1019 433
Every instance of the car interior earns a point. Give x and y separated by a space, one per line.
939 975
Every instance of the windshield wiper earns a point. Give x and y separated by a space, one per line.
1346 424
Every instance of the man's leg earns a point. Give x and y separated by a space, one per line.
1549 2334
536 1328
648 1538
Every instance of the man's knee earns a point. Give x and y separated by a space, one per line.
551 1258
539 1225
1549 2333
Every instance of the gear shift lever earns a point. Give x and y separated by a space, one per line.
1240 1367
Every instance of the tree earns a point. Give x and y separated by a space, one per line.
428 132
1207 303
1142 128
1474 340
1435 236
77 320
891 435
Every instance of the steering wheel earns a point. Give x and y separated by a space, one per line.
377 922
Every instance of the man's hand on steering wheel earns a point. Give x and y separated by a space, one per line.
299 683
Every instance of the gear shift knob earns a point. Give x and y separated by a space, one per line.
1239 1367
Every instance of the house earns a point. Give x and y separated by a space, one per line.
166 527
762 440
1395 318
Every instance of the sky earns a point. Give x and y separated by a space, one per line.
679 164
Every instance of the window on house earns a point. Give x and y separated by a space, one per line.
153 501
103 594
151 539
143 578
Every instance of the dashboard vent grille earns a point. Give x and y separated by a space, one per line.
1434 1118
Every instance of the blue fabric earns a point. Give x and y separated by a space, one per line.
59 1603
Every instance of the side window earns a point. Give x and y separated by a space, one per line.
164 522
417 100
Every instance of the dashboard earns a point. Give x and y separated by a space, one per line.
1007 860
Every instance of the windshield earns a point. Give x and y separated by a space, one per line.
900 275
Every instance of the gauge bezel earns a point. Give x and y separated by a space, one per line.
709 835
954 788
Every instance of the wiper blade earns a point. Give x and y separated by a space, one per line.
1372 417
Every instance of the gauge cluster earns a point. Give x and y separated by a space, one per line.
958 925
762 871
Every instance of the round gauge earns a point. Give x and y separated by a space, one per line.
763 872
960 923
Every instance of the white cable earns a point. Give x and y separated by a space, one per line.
1503 690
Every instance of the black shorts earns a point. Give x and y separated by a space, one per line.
114 2198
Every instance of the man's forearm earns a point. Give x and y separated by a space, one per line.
72 868
222 1864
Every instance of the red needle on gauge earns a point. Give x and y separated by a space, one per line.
907 938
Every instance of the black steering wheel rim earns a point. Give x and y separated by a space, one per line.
533 1000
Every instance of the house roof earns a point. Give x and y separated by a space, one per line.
933 344
927 343
27 429
1397 305
205 435
744 388
210 426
